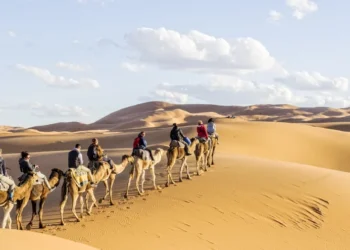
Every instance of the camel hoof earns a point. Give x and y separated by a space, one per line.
111 203
29 226
95 205
41 226
167 184
125 196
158 188
180 180
189 177
100 200
78 220
142 194
62 223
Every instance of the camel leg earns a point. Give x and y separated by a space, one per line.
126 195
154 179
91 193
6 215
20 211
74 204
188 171
198 158
171 178
105 183
30 224
212 156
143 179
41 212
138 176
62 205
9 220
111 182
81 199
181 170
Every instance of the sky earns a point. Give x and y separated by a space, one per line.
79 60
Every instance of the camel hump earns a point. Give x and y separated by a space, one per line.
142 154
176 144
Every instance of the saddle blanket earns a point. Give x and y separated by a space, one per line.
79 176
143 154
175 144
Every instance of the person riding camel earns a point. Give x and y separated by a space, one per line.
211 128
141 143
96 155
202 133
177 135
5 178
75 160
26 167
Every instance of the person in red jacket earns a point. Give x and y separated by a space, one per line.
202 131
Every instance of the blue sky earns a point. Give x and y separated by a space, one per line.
73 60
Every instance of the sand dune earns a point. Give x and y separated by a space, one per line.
274 186
12 239
162 114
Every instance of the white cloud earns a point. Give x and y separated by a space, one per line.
58 81
133 67
197 51
75 41
11 33
44 110
312 81
71 66
274 15
302 7
102 2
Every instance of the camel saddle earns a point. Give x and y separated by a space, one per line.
142 154
175 144
80 176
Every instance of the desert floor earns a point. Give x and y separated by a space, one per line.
273 186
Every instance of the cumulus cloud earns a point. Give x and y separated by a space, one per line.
58 81
11 33
274 15
71 66
228 90
133 67
44 110
302 7
312 81
197 51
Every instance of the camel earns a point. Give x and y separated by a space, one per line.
202 153
20 192
70 186
40 192
175 153
140 166
117 169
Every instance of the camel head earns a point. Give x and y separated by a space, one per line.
194 140
128 157
55 172
159 151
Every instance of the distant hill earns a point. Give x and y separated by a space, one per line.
159 114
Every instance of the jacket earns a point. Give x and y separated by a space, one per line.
176 134
94 152
3 170
142 143
25 166
75 158
202 131
211 128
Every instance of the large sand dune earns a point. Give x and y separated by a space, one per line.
274 186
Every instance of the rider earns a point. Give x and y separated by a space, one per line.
211 128
141 143
75 159
202 131
4 177
177 135
26 167
95 154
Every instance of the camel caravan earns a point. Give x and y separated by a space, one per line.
80 181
